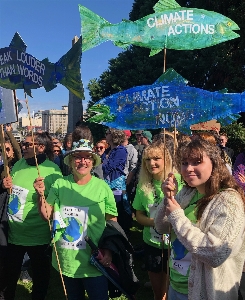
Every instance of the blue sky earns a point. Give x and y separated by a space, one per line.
48 27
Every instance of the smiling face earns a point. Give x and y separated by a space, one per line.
154 162
223 140
196 169
82 164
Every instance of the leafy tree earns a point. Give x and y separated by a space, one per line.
236 136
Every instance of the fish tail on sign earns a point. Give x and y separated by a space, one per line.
70 62
91 25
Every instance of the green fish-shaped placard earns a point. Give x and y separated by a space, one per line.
171 27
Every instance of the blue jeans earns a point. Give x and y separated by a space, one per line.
96 288
174 295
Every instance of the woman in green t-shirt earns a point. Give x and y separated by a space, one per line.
79 204
28 232
208 221
148 196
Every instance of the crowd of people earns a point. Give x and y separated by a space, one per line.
186 191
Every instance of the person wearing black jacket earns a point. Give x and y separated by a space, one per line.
114 239
223 139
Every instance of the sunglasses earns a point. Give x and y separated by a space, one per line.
80 158
55 143
27 144
108 132
100 148
57 151
7 149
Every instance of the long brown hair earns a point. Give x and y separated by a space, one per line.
220 178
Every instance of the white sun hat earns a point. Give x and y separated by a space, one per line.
82 146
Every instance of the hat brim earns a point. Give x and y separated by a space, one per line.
148 138
97 160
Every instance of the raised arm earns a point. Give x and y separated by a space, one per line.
14 143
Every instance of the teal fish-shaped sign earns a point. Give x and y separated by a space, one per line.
20 70
166 103
171 27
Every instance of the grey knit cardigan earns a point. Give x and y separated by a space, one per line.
216 243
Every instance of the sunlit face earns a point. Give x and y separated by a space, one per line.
223 140
197 171
100 148
28 148
82 163
9 150
155 164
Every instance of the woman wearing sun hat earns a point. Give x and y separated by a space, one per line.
79 204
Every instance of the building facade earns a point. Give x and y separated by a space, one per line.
55 121
24 123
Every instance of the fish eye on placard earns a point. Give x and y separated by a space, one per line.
229 24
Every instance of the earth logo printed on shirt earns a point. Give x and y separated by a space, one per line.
179 250
181 258
73 231
73 221
17 201
14 204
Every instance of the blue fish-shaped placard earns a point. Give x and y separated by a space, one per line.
20 70
166 103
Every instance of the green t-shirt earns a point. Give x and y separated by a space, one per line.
149 205
80 210
180 257
26 227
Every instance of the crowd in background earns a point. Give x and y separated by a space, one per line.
187 191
